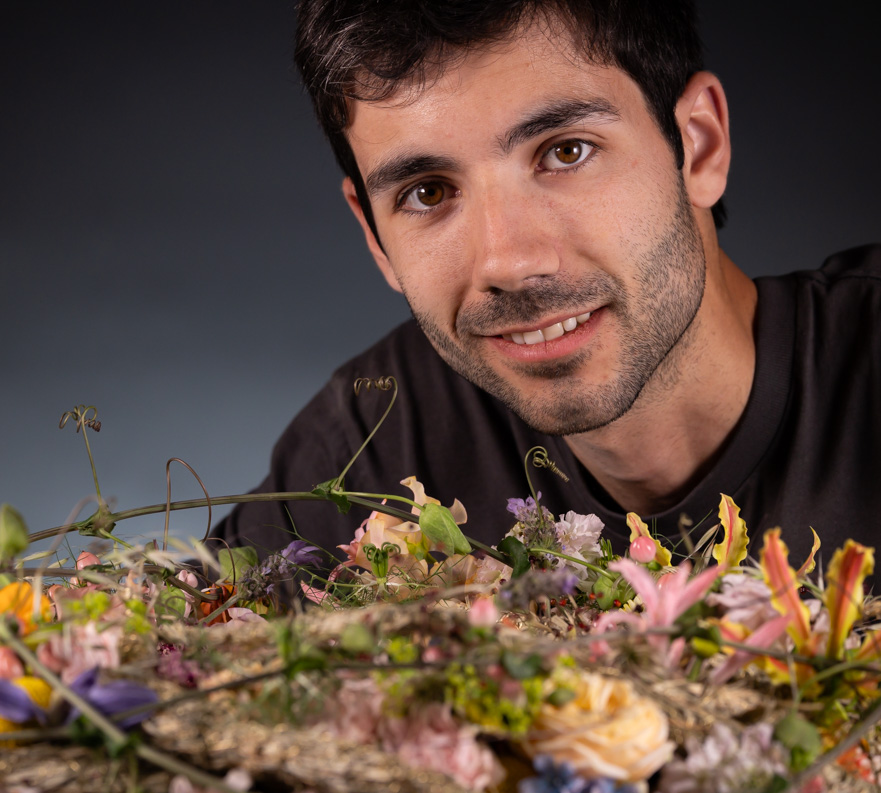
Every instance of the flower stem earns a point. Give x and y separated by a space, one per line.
588 565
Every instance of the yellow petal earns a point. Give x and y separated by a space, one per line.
844 591
732 550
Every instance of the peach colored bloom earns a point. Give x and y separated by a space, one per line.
607 730
380 528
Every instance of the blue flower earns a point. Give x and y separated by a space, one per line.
563 779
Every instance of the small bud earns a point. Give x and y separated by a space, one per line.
643 550
13 533
703 647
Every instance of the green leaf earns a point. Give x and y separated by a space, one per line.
331 491
606 592
518 556
801 737
560 696
519 667
438 525
234 561
13 533
170 604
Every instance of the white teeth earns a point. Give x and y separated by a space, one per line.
553 332
550 333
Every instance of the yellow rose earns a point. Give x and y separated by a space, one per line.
607 730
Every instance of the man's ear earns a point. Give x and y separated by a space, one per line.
372 243
702 113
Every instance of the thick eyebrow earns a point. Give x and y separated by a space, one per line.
562 113
403 167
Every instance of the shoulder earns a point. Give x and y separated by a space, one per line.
849 281
848 268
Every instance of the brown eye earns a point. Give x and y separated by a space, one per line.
424 196
429 194
566 154
569 152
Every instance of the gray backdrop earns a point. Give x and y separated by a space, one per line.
174 248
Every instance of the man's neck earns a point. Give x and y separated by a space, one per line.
651 457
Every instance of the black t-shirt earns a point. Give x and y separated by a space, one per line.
806 452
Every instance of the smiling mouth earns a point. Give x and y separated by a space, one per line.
549 333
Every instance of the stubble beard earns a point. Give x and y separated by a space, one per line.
671 277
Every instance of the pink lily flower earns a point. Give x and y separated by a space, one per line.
664 600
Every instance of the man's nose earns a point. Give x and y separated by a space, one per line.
513 241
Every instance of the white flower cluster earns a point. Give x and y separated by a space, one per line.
725 763
579 537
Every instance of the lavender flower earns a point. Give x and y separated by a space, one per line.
260 581
527 511
113 697
535 529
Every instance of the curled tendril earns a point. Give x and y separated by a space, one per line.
80 414
387 383
378 557
86 417
540 459
379 383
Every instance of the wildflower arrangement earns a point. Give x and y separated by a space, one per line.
418 659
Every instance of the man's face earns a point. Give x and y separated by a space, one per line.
531 212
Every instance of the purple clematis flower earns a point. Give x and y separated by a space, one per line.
17 706
113 697
299 552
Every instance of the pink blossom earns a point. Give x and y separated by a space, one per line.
10 666
356 710
430 737
237 617
663 600
483 613
186 577
79 648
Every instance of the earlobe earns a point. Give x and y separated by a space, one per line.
373 245
702 113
